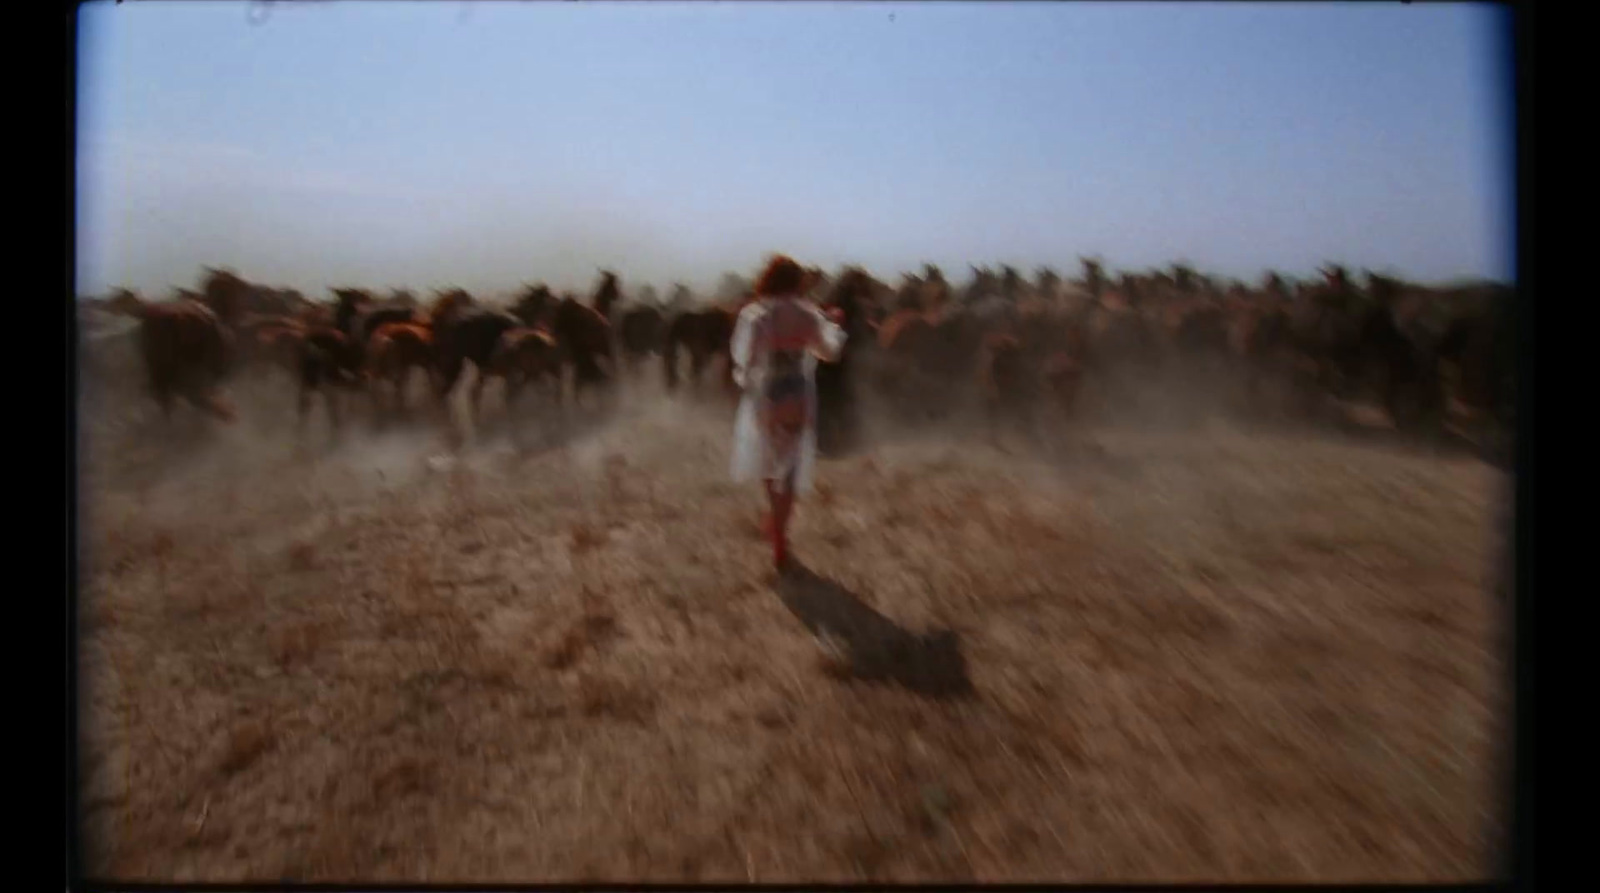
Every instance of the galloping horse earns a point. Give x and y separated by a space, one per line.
526 356
187 352
396 349
462 332
585 338
707 334
838 413
636 330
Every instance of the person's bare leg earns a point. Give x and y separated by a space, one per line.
783 507
769 517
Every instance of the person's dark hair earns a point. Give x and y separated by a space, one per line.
783 276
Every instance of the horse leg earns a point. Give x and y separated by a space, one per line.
449 376
163 395
701 360
435 402
207 397
401 379
330 396
1252 387
303 407
513 388
382 402
669 360
558 388
611 386
477 397
1030 422
375 397
991 418
190 394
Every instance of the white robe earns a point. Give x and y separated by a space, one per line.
751 459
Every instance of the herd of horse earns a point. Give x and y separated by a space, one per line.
1018 346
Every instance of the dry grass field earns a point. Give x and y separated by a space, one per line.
1208 652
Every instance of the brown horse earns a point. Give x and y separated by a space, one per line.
329 362
636 330
1358 349
838 421
1325 327
1259 343
586 344
607 294
583 334
906 339
1063 379
1200 333
358 315
278 346
1195 333
1479 343
259 340
525 356
314 315
1405 356
395 350
1054 347
465 332
535 305
1121 346
933 356
1008 390
640 331
1479 348
226 294
707 335
187 352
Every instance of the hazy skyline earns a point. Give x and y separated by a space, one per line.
488 144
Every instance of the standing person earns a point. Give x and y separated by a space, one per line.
777 341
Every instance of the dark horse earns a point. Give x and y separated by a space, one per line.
585 338
838 415
525 357
463 332
637 330
1360 340
1482 345
707 334
356 315
1410 385
187 352
328 360
1484 350
583 334
394 350
535 305
640 331
930 357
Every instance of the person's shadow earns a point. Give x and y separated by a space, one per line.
877 649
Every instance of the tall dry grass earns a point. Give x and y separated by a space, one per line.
1164 654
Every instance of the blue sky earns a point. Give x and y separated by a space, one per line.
486 144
